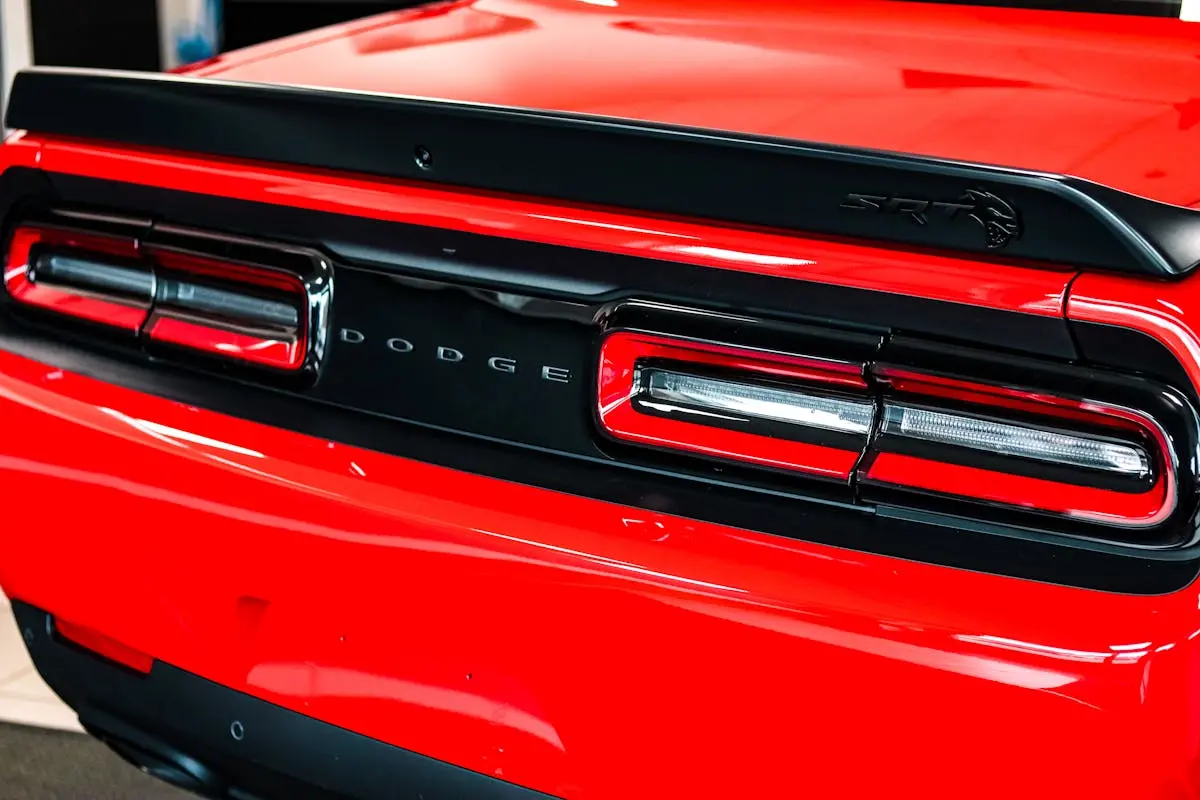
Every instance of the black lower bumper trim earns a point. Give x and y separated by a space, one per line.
225 744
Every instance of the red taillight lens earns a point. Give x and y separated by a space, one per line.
991 486
87 276
254 314
770 409
227 310
105 647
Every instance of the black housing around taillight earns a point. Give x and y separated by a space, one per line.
1092 452
901 422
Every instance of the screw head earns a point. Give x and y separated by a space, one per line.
423 157
237 730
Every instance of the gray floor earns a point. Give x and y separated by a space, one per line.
38 764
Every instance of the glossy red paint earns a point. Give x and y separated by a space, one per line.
583 648
103 646
990 486
957 280
620 355
255 348
1107 97
115 312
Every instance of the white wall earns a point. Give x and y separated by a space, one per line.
16 44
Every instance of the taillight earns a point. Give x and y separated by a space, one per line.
1086 452
230 311
228 300
770 409
1019 449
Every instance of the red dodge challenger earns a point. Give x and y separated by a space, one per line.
619 399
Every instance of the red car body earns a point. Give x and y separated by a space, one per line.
557 639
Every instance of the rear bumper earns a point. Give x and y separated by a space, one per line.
214 740
576 647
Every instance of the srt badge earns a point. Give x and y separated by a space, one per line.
997 217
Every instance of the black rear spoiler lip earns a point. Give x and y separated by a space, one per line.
734 178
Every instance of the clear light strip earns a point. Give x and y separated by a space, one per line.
231 305
760 402
93 275
1016 440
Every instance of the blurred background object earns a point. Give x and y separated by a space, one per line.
189 31
249 22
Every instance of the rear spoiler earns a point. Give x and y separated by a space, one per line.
734 178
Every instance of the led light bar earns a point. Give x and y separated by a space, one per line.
1018 441
1018 451
70 271
732 400
791 412
235 306
241 324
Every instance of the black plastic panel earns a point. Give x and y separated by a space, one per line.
504 366
778 183
1131 351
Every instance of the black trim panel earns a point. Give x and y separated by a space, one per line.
1132 351
703 174
183 727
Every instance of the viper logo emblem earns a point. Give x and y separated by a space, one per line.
998 218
